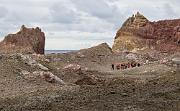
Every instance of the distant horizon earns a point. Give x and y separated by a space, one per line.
58 51
110 45
62 50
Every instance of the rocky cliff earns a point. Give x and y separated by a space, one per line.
27 40
138 33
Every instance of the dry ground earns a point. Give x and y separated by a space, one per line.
152 87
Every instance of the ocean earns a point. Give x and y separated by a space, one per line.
58 51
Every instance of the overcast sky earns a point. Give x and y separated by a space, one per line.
76 24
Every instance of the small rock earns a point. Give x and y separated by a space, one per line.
49 77
42 67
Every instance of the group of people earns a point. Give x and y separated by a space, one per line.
126 65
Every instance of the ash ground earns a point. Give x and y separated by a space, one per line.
94 87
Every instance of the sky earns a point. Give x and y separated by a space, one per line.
77 24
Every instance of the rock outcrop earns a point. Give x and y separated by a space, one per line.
46 76
138 33
26 41
99 50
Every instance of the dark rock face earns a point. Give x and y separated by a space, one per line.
138 33
27 41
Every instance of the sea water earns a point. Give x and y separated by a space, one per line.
58 51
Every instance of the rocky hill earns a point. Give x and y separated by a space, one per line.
138 33
99 50
27 40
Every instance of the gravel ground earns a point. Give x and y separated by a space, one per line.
151 87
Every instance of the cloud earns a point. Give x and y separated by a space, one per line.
63 13
3 12
100 9
75 40
82 22
169 11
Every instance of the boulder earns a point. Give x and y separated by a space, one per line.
49 77
72 67
87 80
26 41
46 76
32 62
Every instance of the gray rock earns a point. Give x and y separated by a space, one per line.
30 61
49 77
176 60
